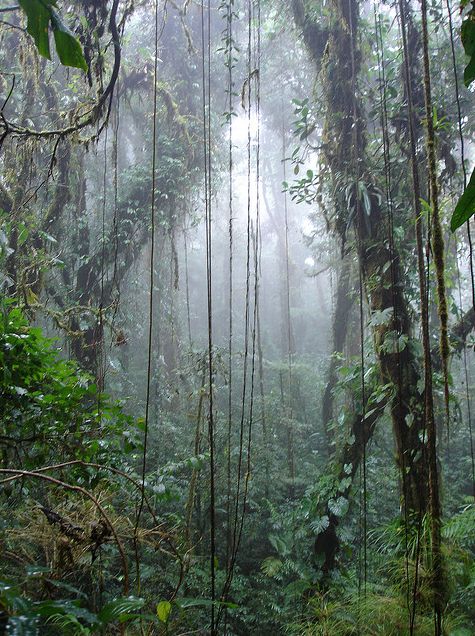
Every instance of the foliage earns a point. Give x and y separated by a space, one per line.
381 607
22 616
468 41
465 208
77 260
42 16
371 613
45 397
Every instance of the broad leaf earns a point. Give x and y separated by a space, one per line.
465 207
68 48
119 609
271 566
184 603
468 41
164 609
469 72
38 17
22 626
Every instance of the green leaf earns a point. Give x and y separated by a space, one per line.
381 317
67 46
297 588
468 34
392 92
68 623
38 17
278 544
338 507
468 41
320 524
23 626
271 566
184 603
119 609
469 72
164 609
465 207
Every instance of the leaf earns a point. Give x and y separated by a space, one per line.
65 586
297 588
469 72
394 343
184 603
278 544
344 484
68 624
320 524
468 41
38 17
381 317
67 46
164 609
271 566
34 570
46 237
465 207
31 297
366 200
392 92
338 507
22 626
119 608
48 609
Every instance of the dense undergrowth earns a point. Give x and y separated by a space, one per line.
62 569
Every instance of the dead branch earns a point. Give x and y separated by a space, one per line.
85 493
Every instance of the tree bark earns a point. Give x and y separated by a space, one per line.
344 151
350 456
344 303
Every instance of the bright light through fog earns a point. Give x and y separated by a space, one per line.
242 126
307 226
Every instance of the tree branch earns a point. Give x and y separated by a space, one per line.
92 116
86 493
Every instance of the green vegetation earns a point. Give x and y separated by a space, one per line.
237 318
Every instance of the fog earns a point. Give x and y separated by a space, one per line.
238 305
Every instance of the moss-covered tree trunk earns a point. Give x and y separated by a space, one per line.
341 319
344 151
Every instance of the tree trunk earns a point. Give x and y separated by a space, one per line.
350 455
344 303
344 153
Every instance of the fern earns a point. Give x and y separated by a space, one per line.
460 530
68 624
120 609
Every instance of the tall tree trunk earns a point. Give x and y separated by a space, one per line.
344 153
350 456
344 303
